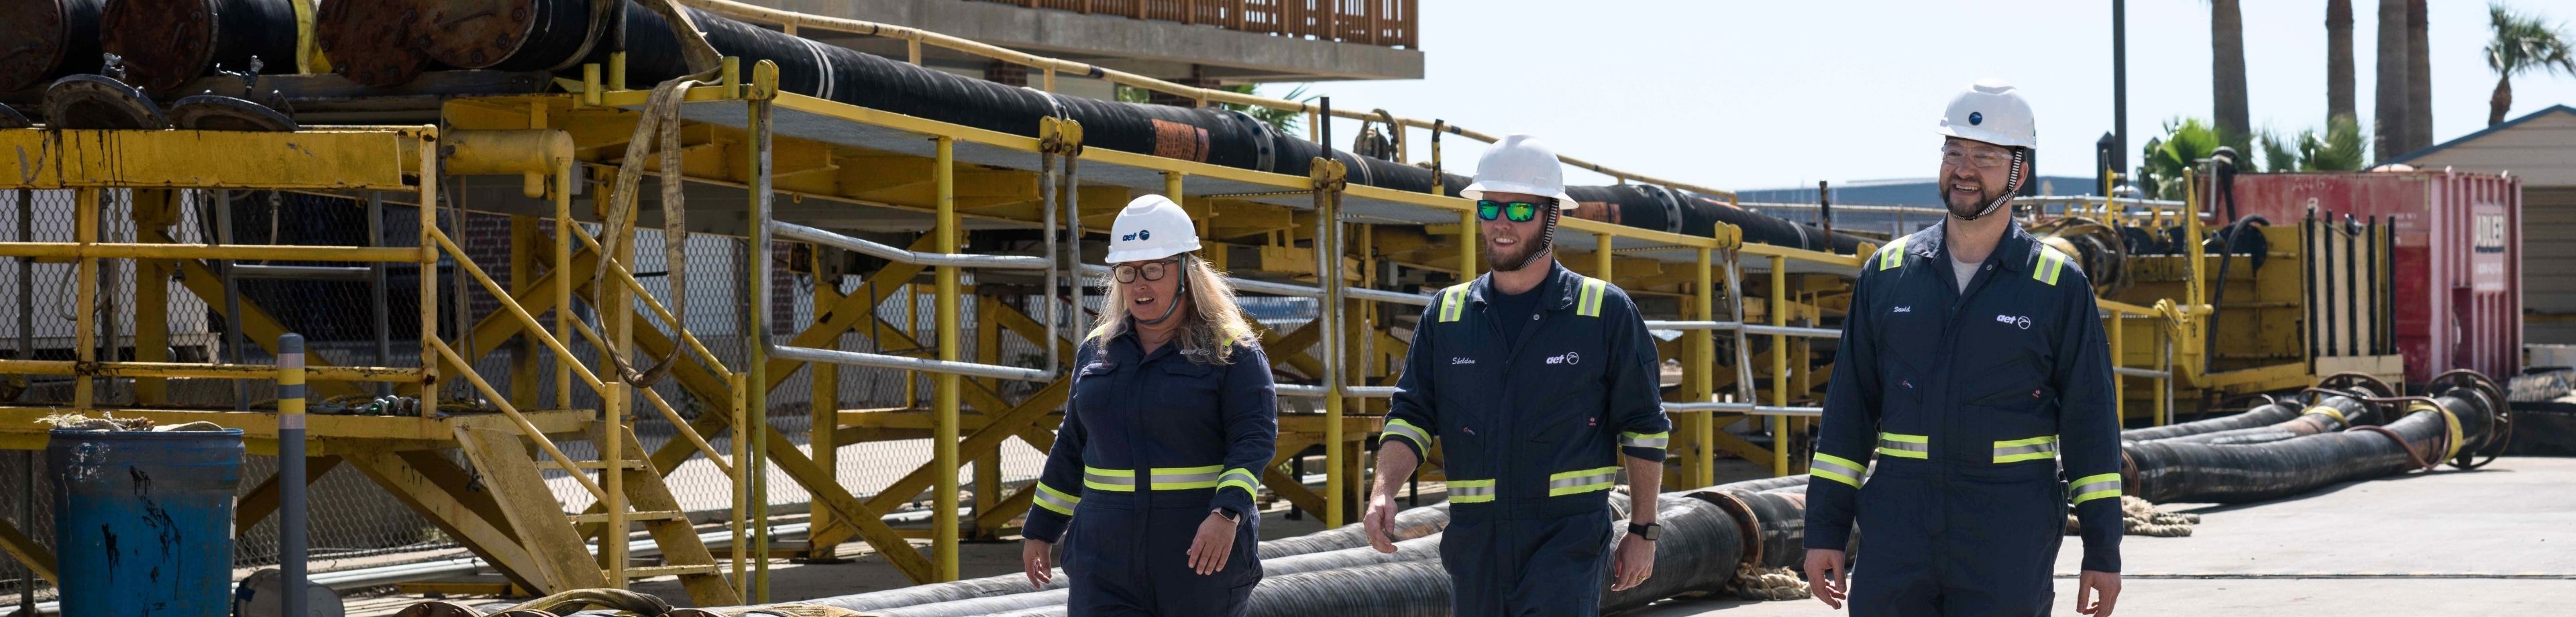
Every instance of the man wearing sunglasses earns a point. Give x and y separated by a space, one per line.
1540 385
1974 368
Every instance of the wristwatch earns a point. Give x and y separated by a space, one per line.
1229 516
1649 531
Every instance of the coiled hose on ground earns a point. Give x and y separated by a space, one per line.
2455 420
2262 415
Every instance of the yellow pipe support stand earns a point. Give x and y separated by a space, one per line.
2119 385
84 231
944 431
1704 387
532 153
1601 255
741 489
756 383
564 318
430 168
824 407
1779 365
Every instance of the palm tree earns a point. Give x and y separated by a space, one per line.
2339 58
2389 108
2521 43
2419 78
2227 69
2185 143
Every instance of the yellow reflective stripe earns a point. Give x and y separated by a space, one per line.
2329 412
1396 427
1582 481
1645 440
1471 491
1893 255
1241 478
1590 304
1184 478
2050 262
2032 449
2096 486
1452 300
1058 501
1906 446
2453 423
1120 480
1835 468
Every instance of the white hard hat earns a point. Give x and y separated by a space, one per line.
1991 111
1152 227
1519 164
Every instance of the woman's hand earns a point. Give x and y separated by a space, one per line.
1213 546
1037 556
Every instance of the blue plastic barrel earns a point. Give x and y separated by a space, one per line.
143 521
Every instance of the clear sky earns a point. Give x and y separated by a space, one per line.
1742 95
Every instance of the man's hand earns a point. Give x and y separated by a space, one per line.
1634 562
1829 580
2095 593
1038 556
1379 522
1214 544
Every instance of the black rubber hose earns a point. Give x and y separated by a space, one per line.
1214 136
2311 421
167 43
2169 471
1700 549
1776 518
1399 589
2263 415
1410 524
50 38
1427 547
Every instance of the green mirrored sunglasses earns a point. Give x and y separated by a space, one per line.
1514 211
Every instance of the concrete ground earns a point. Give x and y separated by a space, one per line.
2496 541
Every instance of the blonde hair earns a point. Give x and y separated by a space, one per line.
1208 332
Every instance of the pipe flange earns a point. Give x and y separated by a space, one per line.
1747 523
2499 433
1264 152
216 112
100 102
438 608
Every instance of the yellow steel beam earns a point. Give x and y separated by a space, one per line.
338 158
30 554
333 434
451 500
213 371
77 250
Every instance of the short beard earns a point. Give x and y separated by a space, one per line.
1520 261
1968 210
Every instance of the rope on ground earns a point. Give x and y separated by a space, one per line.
1767 584
2140 518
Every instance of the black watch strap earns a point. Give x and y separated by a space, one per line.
1650 531
1228 514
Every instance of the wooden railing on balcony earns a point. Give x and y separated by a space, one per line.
1388 23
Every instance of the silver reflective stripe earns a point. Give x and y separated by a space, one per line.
1645 440
1116 483
1465 489
1058 501
1207 478
1833 464
2112 484
2034 451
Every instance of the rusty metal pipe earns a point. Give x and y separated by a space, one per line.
47 39
167 43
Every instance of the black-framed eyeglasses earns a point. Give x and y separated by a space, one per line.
1151 270
1514 211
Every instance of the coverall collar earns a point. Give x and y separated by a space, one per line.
1935 244
1556 291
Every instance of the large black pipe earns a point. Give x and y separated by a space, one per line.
47 39
1700 549
2263 415
1427 547
1214 136
1409 524
167 43
2328 414
2171 471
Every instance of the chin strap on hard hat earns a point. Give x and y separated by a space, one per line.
2012 185
1546 240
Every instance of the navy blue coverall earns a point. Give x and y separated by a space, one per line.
1533 435
1970 403
1151 444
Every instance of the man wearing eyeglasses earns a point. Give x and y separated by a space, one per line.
1540 385
1974 367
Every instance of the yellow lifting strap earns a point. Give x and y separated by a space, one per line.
1453 301
1893 255
2049 264
1589 305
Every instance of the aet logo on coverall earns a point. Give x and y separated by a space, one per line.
1568 358
2021 322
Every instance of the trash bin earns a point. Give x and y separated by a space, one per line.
143 521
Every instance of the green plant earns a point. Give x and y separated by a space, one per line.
2522 43
1282 120
2167 159
2338 149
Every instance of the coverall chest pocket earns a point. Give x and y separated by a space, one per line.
1094 387
1185 385
1569 411
1909 346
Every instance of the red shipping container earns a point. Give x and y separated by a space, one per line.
2458 258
